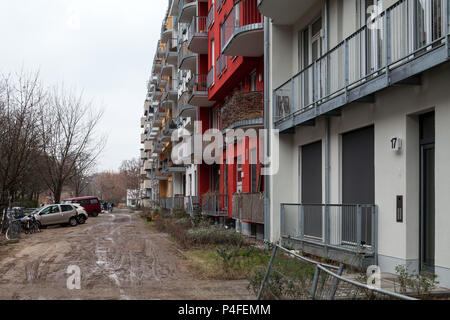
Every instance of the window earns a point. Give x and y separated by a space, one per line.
50 210
65 208
94 201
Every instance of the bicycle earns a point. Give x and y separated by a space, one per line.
12 226
31 226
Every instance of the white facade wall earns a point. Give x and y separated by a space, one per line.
394 113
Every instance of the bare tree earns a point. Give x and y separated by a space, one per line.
68 132
21 101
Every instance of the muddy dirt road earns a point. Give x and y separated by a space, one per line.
119 258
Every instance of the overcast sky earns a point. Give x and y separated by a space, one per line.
104 47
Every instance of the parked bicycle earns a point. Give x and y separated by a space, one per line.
11 227
31 225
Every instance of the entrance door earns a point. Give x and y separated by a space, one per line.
427 192
311 177
358 183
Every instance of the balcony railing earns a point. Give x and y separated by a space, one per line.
376 50
198 35
186 8
211 16
197 26
215 205
186 58
219 5
249 207
221 65
244 17
198 83
210 77
348 227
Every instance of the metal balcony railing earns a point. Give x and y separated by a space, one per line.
387 42
221 65
214 204
198 83
197 26
210 77
183 4
349 227
183 52
211 16
249 207
219 5
171 47
244 16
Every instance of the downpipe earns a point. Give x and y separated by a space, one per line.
267 127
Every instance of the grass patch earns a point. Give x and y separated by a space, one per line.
210 263
213 251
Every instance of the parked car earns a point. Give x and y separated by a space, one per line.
90 204
82 214
55 214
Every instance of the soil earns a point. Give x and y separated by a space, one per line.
119 257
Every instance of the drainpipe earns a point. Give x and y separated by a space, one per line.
327 142
267 126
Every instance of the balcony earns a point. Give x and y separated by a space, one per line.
148 165
211 16
171 55
143 155
167 70
147 184
169 127
285 12
157 93
143 120
186 10
243 109
221 65
162 81
249 207
215 205
198 35
167 30
351 229
199 91
210 78
171 91
185 110
148 146
143 137
366 62
187 60
243 31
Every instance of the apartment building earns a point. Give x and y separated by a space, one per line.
359 94
209 68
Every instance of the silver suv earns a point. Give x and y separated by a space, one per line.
56 214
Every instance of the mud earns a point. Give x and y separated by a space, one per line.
119 258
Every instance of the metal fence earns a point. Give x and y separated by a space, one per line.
215 205
290 276
353 227
389 40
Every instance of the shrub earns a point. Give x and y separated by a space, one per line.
421 283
